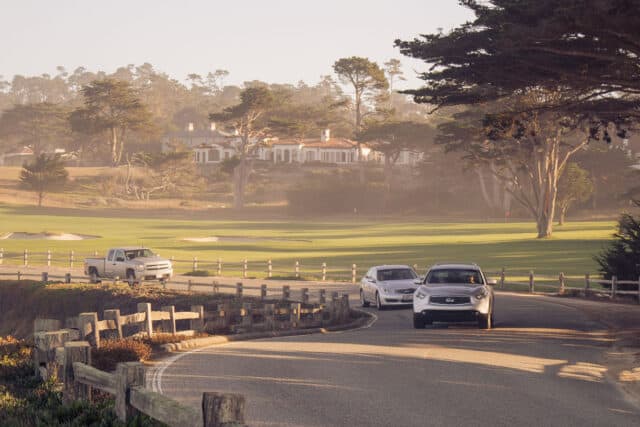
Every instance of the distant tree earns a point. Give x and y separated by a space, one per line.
527 148
38 126
44 174
393 69
574 185
395 137
368 81
622 257
112 108
164 173
249 121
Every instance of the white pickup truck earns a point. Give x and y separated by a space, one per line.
134 264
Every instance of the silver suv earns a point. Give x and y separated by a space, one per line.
454 293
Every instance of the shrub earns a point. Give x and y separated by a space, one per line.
198 273
112 352
15 359
622 257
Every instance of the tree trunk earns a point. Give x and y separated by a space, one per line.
40 197
563 213
114 147
239 183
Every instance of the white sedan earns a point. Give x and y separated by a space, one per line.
388 285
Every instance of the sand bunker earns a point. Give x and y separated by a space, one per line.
45 236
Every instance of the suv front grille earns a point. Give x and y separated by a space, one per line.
450 300
406 291
150 267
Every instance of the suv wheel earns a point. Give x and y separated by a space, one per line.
485 321
418 321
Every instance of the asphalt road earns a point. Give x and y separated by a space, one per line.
541 365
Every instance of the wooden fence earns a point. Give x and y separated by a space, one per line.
562 284
244 268
131 398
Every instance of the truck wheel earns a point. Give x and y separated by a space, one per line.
93 275
131 278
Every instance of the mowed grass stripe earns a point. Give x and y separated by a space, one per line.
338 243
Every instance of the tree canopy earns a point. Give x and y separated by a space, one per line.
44 174
588 47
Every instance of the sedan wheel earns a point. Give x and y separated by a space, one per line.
363 301
379 305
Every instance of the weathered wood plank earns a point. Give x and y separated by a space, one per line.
133 318
107 324
186 315
164 409
93 377
159 315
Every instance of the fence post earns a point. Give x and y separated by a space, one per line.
219 272
114 315
324 271
239 290
194 266
587 284
531 282
216 287
170 324
128 374
502 278
189 285
286 292
71 259
561 282
145 307
269 315
305 295
638 290
322 298
353 273
48 257
294 314
244 269
219 409
45 276
75 351
614 286
197 324
25 257
1 255
247 315
89 319
19 276
67 278
297 269
263 292
269 269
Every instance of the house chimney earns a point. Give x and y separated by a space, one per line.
325 135
213 126
190 127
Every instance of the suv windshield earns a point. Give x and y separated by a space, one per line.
396 274
455 275
138 253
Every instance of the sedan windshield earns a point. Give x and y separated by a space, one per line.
396 274
138 253
457 276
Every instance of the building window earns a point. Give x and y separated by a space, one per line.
311 156
344 157
214 155
197 157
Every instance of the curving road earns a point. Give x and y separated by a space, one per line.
542 365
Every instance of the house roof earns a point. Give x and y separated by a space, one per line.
332 143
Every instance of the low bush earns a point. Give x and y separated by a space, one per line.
198 273
112 352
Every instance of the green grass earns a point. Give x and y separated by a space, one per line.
338 243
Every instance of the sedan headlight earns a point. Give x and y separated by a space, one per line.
419 295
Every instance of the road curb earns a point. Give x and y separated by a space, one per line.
195 343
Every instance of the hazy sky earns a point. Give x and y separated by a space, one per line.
276 41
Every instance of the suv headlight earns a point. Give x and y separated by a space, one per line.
419 294
140 267
482 293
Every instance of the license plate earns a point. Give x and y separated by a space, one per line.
407 297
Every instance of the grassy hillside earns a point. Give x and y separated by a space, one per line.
338 243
